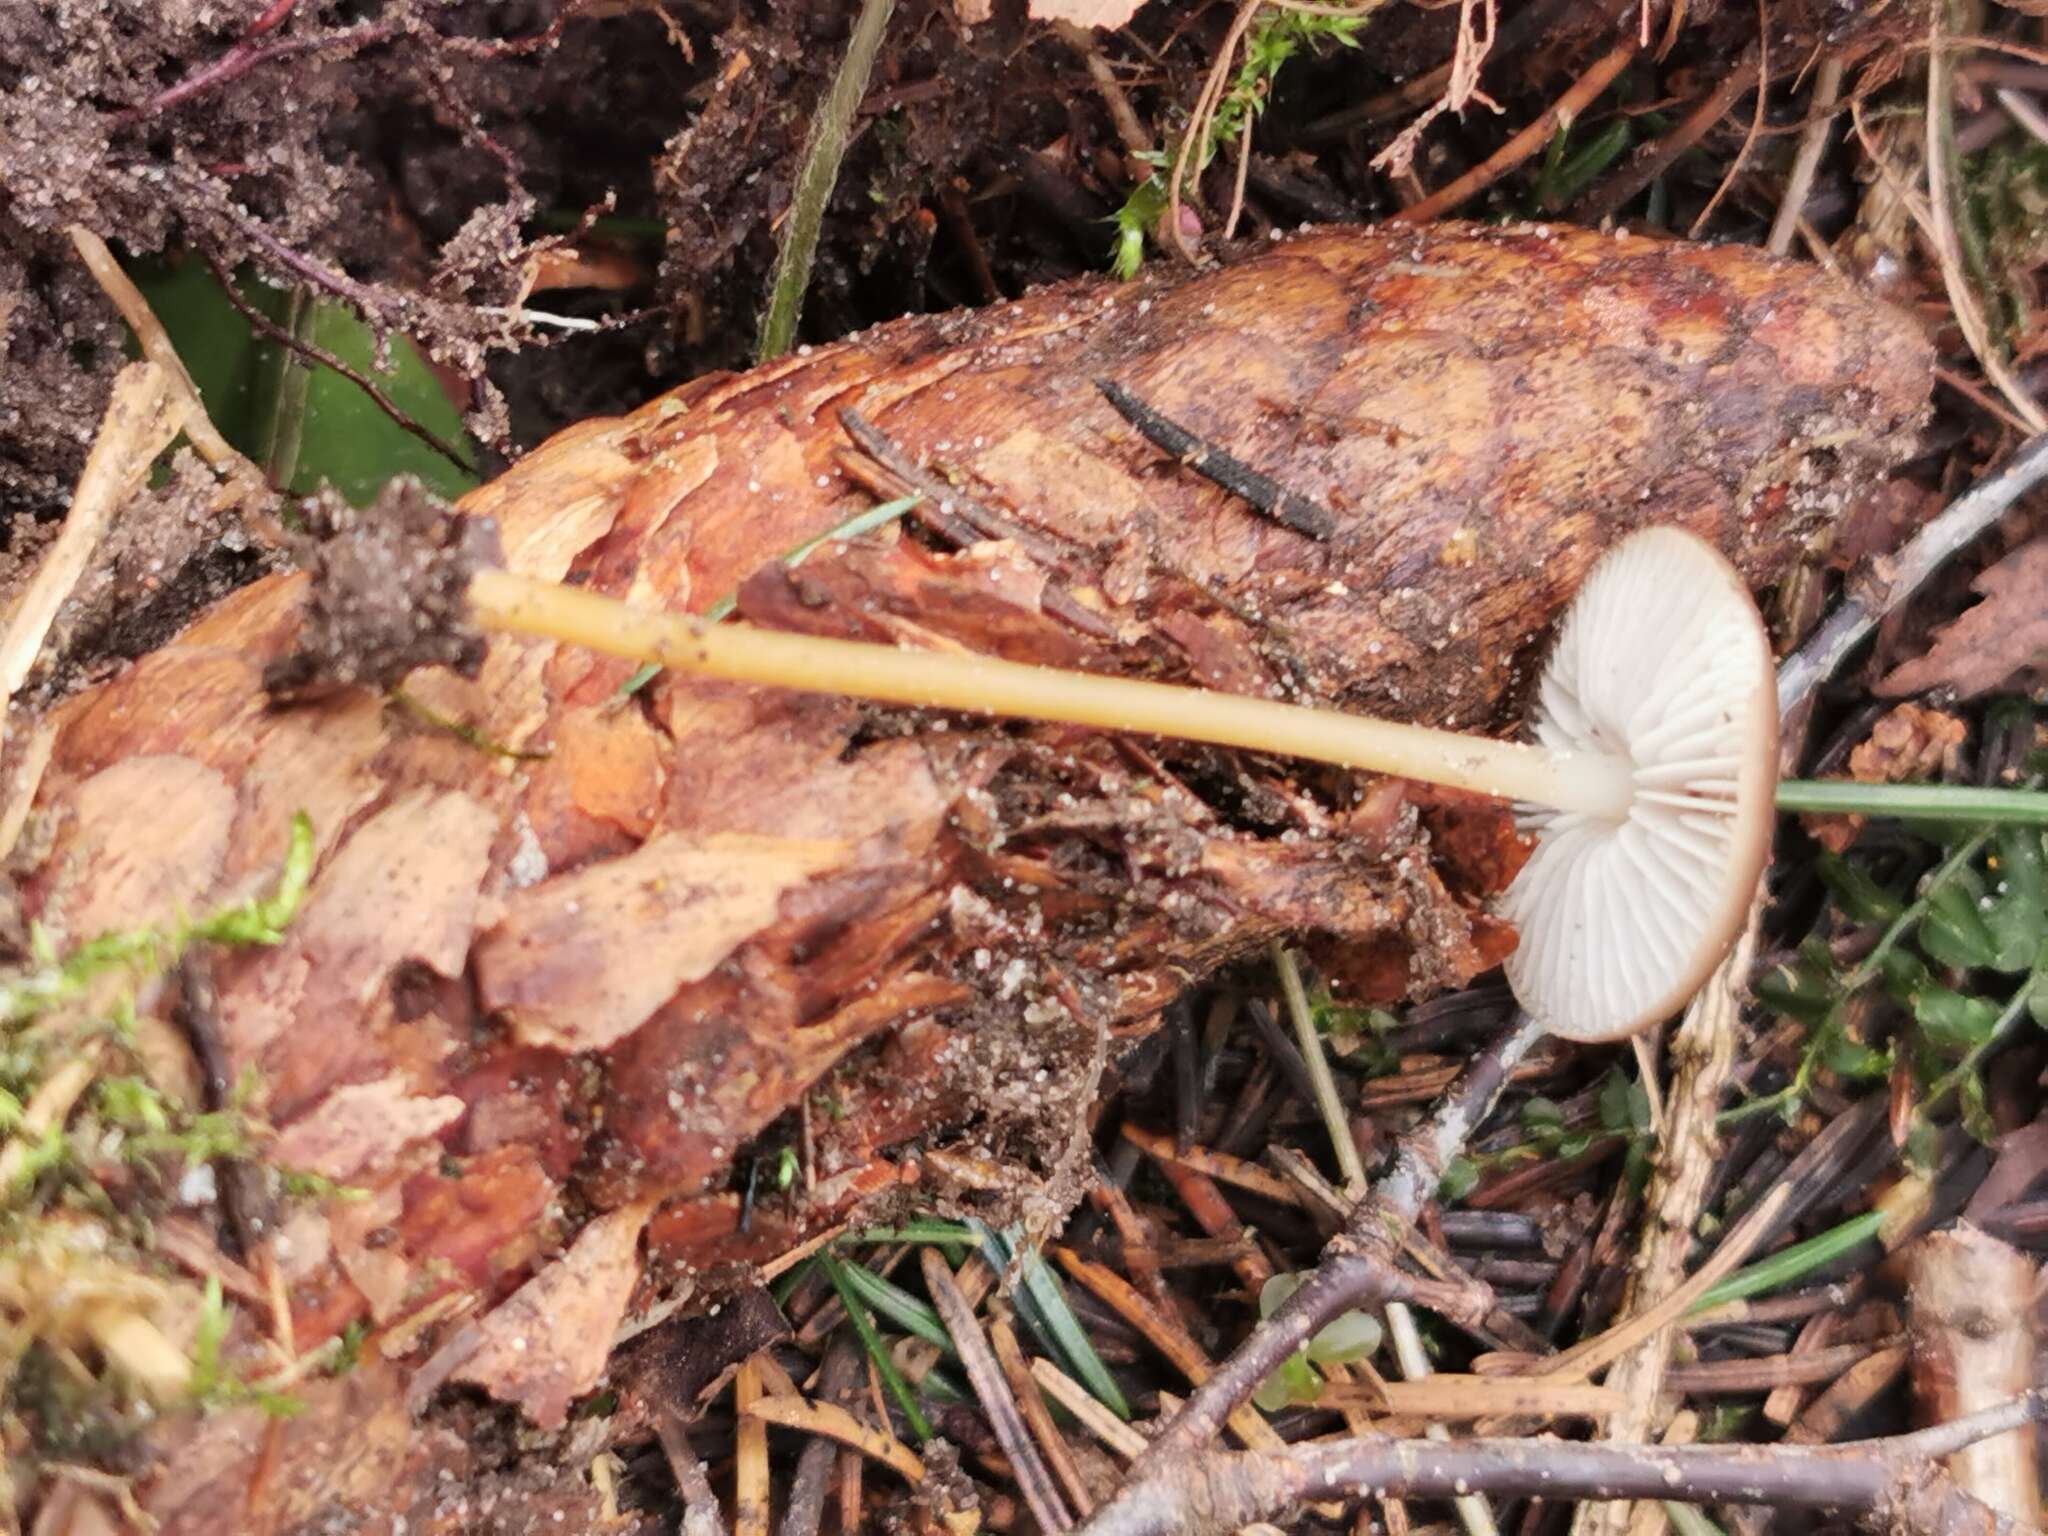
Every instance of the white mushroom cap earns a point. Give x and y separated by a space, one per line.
1661 661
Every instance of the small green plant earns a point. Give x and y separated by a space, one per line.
1277 36
1353 1336
212 1383
1962 952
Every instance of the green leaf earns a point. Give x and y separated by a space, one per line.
206 1340
1953 932
1461 1177
342 437
1540 1113
1042 1303
1614 1101
1296 1381
1850 1058
1951 1020
2016 912
1861 898
1798 989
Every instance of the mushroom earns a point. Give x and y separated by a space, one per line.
1649 786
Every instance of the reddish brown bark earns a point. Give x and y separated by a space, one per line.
626 959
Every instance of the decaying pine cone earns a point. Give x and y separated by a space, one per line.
537 1007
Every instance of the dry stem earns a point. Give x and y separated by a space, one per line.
142 418
1891 1486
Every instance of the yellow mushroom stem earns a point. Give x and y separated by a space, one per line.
1590 782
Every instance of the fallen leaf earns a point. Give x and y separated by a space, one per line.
1911 742
363 1125
548 1342
582 961
2008 630
1086 13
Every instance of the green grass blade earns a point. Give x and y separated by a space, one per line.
898 1306
1042 1304
1916 802
1788 1265
871 1341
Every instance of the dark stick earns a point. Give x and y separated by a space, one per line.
312 352
242 1192
1891 1485
992 1388
961 520
805 1512
1284 1053
1262 492
1655 158
947 499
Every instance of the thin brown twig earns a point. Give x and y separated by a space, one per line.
1166 1335
701 1515
1197 131
1614 190
992 1388
1813 143
143 416
1767 1374
836 1423
1756 119
1031 1403
1081 1403
1579 95
156 345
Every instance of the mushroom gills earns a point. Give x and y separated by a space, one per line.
1661 664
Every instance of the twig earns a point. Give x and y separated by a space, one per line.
1579 95
313 352
993 1390
1166 1335
750 1455
814 183
1031 1403
803 1512
1813 143
1261 492
1357 1266
1756 120
701 1516
1608 195
1081 1403
1321 1080
1853 1391
1220 1166
1797 1369
142 418
1902 573
1890 1485
1199 118
156 345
